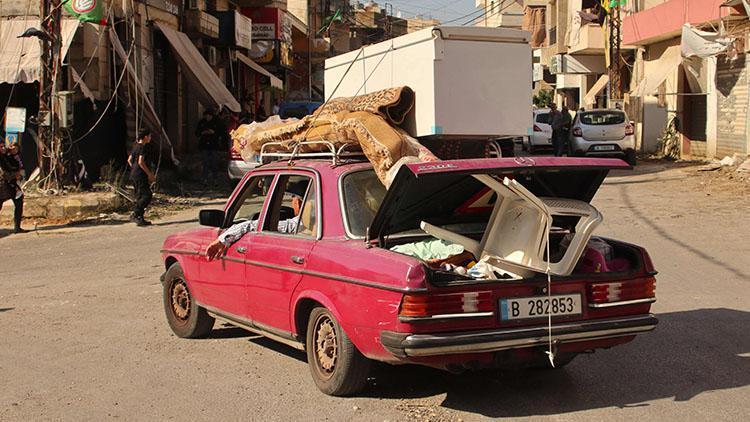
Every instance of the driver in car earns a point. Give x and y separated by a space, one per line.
218 247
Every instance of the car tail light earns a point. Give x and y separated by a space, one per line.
629 130
450 305
622 292
537 129
577 131
234 154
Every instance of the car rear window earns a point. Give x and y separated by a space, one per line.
363 193
602 118
542 118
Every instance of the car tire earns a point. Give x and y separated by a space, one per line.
337 367
185 317
531 149
630 157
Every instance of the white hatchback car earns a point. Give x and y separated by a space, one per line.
542 134
603 132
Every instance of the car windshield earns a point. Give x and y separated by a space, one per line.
363 193
542 118
603 118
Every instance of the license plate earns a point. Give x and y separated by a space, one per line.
604 148
539 306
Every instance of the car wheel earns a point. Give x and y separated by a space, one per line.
185 317
337 367
531 149
630 157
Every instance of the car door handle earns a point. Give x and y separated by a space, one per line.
241 249
298 260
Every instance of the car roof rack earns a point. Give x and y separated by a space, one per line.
328 150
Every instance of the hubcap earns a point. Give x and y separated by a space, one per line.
326 347
180 300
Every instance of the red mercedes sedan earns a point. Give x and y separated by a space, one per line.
446 268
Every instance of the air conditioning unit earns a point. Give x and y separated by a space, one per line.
212 56
197 5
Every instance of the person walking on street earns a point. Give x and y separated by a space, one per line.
11 172
208 133
567 123
142 177
556 121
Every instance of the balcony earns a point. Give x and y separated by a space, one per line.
590 40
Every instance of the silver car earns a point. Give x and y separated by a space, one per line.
603 133
238 167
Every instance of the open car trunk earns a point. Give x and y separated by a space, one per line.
512 218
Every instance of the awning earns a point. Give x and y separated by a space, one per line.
20 58
210 89
590 98
150 117
657 71
275 82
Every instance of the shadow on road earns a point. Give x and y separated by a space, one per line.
641 215
690 353
228 331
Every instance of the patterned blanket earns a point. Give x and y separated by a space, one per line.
368 122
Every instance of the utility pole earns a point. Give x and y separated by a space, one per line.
615 59
49 145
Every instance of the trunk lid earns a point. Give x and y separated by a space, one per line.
448 192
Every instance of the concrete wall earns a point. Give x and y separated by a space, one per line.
299 9
665 20
655 117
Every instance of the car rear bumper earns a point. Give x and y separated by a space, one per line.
413 345
581 146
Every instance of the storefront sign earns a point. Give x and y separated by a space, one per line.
264 31
263 51
169 6
11 139
268 22
243 31
15 120
538 74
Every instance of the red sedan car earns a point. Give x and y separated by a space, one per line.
331 262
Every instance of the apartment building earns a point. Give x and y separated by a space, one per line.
704 96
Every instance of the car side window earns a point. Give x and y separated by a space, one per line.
308 224
293 207
250 203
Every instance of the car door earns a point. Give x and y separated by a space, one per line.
223 279
279 252
542 129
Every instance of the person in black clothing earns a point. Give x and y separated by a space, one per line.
142 177
210 135
11 168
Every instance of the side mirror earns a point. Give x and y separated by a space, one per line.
211 218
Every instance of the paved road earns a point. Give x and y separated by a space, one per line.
83 337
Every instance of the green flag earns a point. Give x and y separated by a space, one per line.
87 10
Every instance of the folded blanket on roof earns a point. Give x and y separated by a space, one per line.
368 122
